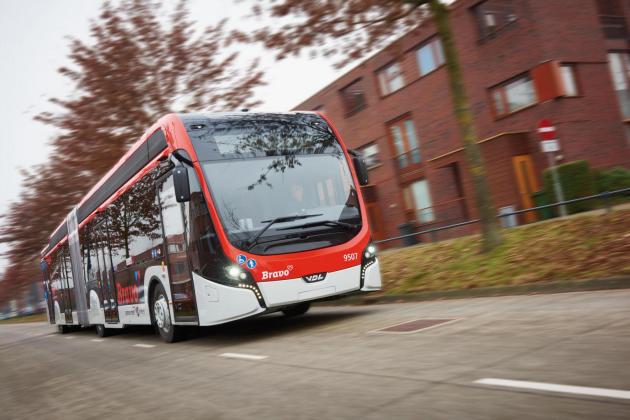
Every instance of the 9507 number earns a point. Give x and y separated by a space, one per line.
351 257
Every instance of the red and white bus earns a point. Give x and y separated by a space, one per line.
210 218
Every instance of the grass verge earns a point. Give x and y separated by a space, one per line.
22 319
575 248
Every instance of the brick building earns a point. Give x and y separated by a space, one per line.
523 60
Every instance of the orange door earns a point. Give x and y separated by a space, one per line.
375 220
527 184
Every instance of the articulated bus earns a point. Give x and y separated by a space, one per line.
211 218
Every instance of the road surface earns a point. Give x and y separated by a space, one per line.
535 357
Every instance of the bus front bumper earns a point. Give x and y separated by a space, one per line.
218 304
287 292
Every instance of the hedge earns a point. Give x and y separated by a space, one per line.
577 181
612 179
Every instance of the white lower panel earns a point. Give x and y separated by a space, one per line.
59 320
217 304
284 292
372 279
134 314
96 315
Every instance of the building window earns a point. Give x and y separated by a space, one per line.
493 15
370 155
175 247
619 63
353 97
430 56
418 199
516 94
569 81
405 142
391 78
612 19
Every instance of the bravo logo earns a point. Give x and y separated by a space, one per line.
267 275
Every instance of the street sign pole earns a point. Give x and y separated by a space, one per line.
557 186
550 145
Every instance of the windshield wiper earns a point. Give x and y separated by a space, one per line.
281 219
347 226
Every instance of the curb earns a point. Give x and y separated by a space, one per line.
611 283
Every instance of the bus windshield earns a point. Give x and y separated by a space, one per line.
280 182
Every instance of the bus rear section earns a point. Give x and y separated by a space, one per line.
236 215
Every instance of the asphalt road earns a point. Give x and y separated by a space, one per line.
331 364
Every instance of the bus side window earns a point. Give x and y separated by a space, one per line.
134 230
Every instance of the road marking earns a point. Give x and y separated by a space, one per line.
568 389
97 340
69 338
144 346
243 356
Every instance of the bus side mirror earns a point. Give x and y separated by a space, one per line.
180 182
359 167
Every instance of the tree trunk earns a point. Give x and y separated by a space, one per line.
485 206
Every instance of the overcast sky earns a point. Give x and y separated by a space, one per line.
34 44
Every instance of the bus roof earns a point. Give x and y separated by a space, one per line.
187 117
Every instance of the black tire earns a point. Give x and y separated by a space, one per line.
102 332
63 329
297 310
161 317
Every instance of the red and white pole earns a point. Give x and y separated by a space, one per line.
547 132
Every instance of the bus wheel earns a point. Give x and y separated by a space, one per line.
63 329
296 310
101 331
162 317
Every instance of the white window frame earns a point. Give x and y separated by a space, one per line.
434 46
418 198
391 78
569 80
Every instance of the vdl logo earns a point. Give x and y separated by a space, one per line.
312 278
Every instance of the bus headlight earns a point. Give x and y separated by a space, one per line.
240 278
370 252
235 273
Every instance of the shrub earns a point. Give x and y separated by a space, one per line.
577 181
612 179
